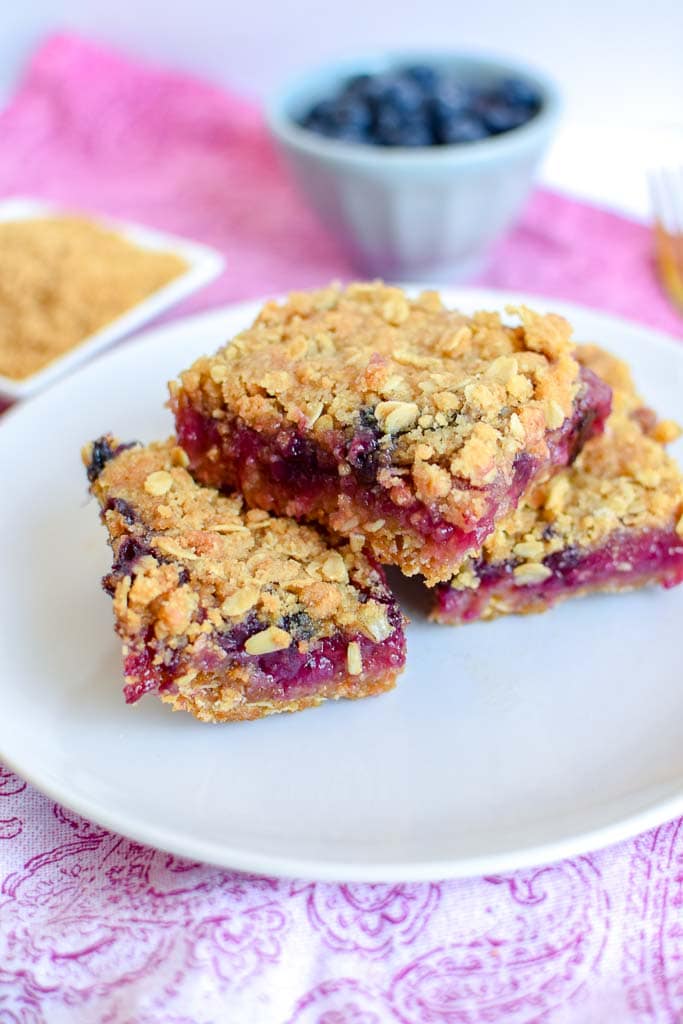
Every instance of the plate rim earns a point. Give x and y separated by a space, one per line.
283 865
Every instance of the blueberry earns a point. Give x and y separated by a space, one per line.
427 78
363 87
368 421
102 452
416 134
355 113
500 117
344 118
419 105
319 115
462 128
400 95
124 509
451 97
299 624
394 129
519 93
352 133
563 561
362 450
129 551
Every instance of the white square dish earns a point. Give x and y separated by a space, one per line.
203 265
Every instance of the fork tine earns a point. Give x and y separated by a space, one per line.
678 236
674 222
666 193
660 198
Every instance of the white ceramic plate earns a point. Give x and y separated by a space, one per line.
504 744
203 265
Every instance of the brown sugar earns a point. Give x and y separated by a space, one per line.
63 278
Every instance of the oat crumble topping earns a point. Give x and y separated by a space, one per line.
454 396
234 561
622 480
387 418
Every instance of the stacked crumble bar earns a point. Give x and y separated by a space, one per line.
457 448
232 613
404 426
613 521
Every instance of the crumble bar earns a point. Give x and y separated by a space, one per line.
234 614
404 426
612 522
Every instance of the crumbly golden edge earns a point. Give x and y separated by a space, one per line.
622 480
61 279
497 605
456 399
220 703
386 539
236 562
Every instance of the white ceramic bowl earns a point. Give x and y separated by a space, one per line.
414 213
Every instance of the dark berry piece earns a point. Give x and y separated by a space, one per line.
451 98
319 116
419 105
365 88
401 95
519 93
563 561
416 135
368 421
500 117
300 625
393 129
346 118
462 128
363 448
355 112
124 509
102 452
427 78
129 551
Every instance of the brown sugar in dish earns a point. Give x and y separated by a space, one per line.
64 277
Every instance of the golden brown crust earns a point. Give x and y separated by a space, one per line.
61 279
227 703
203 566
238 560
456 398
623 480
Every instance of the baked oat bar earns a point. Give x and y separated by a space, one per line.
406 427
612 522
234 614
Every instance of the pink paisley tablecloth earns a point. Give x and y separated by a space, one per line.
94 928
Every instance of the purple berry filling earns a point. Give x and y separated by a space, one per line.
290 473
627 561
281 675
100 455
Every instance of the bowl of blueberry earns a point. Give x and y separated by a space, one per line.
418 163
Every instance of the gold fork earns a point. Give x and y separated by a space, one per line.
666 194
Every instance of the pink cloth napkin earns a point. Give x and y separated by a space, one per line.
95 928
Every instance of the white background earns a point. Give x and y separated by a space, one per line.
620 64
